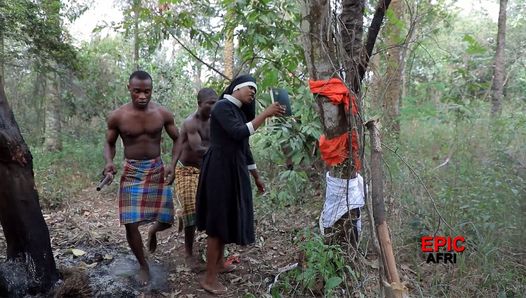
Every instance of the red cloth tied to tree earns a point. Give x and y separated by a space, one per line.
334 151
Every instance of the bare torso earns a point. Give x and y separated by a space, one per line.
196 140
140 130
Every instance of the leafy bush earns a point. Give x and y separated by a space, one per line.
322 268
60 176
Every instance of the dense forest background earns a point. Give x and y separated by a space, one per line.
454 164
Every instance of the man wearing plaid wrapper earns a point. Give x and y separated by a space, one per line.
144 195
195 137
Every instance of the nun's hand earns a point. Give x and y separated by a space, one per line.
275 109
260 184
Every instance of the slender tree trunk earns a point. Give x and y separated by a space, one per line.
375 92
497 85
30 266
52 134
393 75
394 286
2 47
228 53
53 129
136 41
197 76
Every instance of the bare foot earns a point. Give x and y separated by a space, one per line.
227 268
152 242
194 264
216 288
143 277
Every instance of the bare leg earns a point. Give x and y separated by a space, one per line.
152 234
135 241
189 235
221 262
210 281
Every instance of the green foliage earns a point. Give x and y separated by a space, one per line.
33 28
478 191
62 176
322 270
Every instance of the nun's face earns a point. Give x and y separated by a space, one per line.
246 94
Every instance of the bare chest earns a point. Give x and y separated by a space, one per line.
204 131
134 125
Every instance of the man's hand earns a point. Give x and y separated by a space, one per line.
169 176
109 169
260 185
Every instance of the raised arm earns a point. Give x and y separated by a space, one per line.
236 129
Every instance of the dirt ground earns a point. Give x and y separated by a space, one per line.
86 235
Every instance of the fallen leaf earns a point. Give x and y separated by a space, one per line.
77 252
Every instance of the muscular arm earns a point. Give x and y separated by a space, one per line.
173 132
112 133
194 138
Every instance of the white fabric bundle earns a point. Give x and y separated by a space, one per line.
336 201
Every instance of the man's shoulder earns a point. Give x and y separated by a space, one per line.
191 122
161 109
119 111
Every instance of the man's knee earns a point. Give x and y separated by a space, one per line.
132 228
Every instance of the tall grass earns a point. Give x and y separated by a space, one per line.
60 176
470 169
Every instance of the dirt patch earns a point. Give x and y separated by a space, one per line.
86 236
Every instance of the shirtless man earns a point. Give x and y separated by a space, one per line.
195 137
143 194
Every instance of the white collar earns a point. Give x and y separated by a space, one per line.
233 100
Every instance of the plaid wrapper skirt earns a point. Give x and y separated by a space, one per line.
186 181
143 197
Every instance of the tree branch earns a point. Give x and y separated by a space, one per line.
372 34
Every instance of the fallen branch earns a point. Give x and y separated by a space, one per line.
281 270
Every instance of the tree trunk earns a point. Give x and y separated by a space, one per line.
2 53
30 266
228 53
53 140
394 287
52 134
136 41
497 85
198 83
393 74
352 38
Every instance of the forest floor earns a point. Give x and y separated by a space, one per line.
86 236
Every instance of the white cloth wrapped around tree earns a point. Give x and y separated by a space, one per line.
337 203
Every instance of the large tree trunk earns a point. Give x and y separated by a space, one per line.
497 85
53 140
30 265
320 54
393 74
321 36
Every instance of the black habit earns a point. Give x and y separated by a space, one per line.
224 196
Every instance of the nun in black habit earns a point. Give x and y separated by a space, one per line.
224 195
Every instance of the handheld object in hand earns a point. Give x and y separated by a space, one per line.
281 96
